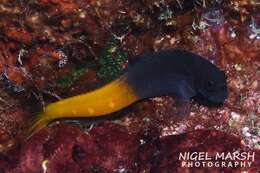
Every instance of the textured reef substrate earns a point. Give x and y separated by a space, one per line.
52 49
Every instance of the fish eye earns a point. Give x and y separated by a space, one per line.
210 85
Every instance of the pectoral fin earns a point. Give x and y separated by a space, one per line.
184 92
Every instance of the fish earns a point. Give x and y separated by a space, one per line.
176 72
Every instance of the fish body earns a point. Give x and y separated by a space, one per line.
171 72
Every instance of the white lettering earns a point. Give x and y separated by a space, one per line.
194 156
220 156
197 164
183 156
251 155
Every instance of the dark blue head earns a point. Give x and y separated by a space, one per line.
211 85
210 82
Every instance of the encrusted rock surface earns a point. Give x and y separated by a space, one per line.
45 44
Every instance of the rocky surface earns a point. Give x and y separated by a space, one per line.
52 49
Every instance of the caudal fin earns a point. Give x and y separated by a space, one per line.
36 125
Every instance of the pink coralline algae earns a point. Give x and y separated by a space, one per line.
110 148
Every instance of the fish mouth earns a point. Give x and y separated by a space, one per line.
219 99
212 101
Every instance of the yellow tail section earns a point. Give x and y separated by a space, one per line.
105 100
37 124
